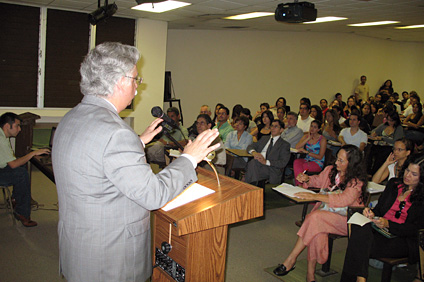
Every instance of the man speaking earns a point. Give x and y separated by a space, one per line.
105 186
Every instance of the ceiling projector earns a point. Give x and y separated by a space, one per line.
297 12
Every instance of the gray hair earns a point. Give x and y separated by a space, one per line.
104 66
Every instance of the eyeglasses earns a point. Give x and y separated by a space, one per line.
137 79
398 149
401 206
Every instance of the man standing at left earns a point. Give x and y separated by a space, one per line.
12 171
105 186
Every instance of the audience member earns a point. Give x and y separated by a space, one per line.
405 99
400 210
304 120
324 106
367 114
392 167
281 114
314 146
342 185
155 152
353 135
271 154
363 125
334 103
414 99
387 86
217 107
264 128
362 91
239 139
339 98
339 114
414 123
223 126
258 116
316 113
13 171
305 100
378 100
331 129
236 113
203 123
292 134
281 102
386 134
192 130
348 108
246 113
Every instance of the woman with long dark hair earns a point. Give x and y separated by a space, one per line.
217 107
342 184
400 211
265 127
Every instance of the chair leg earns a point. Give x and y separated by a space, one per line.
8 202
386 276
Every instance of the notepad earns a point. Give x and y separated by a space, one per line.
290 190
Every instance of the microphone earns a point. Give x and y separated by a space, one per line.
167 123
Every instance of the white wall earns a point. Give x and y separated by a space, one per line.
151 39
250 67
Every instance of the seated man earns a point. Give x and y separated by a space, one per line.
192 130
271 153
304 120
12 171
223 126
155 151
204 122
292 133
353 135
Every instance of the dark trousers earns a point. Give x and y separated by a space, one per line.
19 178
365 243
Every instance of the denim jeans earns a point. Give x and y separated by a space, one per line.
19 178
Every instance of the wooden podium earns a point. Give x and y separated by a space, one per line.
199 230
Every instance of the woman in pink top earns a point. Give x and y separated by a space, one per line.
342 185
399 211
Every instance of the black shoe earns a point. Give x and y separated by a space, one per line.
281 270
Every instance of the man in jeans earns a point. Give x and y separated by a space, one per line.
12 170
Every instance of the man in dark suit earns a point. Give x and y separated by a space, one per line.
271 154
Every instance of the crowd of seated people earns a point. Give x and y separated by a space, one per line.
390 129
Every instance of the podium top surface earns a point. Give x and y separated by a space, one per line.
234 201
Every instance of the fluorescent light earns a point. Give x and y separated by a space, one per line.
374 23
410 26
326 19
249 16
160 7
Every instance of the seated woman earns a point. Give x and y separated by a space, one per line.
343 184
264 128
314 145
414 122
385 134
252 125
258 116
367 114
239 139
350 103
316 112
331 129
392 167
400 209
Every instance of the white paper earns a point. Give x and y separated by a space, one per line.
293 150
193 192
290 190
334 143
174 153
375 188
359 219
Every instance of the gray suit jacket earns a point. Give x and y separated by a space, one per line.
278 157
106 190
